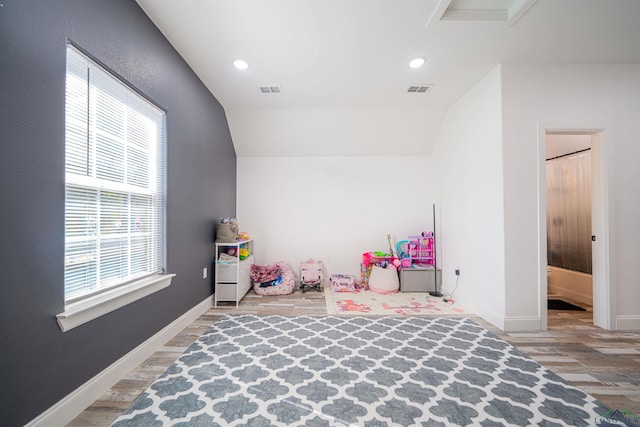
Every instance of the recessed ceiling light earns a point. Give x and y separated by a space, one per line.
416 63
240 64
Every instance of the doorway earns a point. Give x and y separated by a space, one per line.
569 241
603 312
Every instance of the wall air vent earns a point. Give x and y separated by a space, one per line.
270 89
419 88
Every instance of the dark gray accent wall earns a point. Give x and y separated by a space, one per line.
39 365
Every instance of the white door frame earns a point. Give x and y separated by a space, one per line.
603 292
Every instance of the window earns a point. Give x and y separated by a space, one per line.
115 187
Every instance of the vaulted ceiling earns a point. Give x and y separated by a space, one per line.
342 66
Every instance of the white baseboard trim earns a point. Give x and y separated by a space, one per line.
496 321
573 284
522 323
78 400
579 297
628 322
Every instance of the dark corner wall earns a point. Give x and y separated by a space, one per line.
39 365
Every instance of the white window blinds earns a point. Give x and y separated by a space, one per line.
115 188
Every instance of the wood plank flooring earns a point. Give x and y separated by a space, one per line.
605 364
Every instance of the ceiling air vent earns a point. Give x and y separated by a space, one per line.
419 88
480 10
270 89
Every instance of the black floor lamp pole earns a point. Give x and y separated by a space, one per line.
435 293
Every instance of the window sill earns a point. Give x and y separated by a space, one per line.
84 311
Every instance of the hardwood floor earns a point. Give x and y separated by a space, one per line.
605 364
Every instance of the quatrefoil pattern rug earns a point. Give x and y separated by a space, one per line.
252 370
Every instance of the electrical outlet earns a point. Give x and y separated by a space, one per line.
204 273
457 271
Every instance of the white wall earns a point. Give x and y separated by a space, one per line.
375 132
571 97
561 144
468 154
332 209
485 183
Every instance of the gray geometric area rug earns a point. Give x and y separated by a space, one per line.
249 370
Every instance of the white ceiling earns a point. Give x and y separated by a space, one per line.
565 143
343 64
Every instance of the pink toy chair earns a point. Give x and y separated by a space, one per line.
311 275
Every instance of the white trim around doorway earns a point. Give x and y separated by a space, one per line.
604 313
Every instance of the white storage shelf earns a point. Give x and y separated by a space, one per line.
232 279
